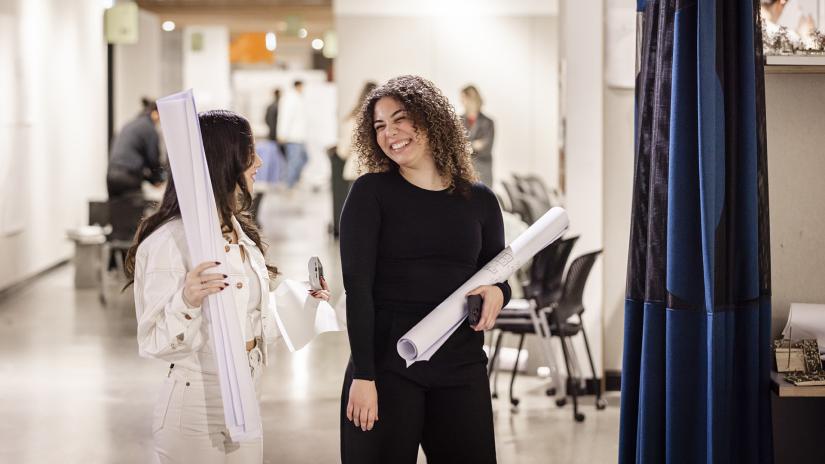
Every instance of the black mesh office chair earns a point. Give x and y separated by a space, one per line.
565 321
544 288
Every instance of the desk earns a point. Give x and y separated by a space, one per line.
798 422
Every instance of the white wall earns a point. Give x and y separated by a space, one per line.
509 56
52 128
206 71
618 181
581 54
796 164
137 72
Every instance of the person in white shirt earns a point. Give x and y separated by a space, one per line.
188 424
292 132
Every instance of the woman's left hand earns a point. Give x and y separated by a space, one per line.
321 294
493 299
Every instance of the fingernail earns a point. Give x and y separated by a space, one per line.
217 262
224 276
222 288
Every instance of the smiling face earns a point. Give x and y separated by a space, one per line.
397 136
249 174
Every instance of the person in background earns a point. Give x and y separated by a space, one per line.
135 155
342 163
188 424
480 132
292 132
345 133
414 228
271 117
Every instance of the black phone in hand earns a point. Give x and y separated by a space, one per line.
474 303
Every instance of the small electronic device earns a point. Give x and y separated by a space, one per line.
316 272
474 303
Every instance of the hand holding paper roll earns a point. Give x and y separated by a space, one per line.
423 340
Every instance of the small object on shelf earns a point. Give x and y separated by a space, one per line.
797 356
805 380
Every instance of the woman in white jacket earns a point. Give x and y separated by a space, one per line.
188 424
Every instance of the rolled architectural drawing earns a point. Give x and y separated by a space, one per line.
182 135
423 340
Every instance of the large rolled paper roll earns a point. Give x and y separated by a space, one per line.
423 340
181 133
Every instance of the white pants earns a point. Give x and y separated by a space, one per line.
188 424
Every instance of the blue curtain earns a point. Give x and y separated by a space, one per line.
696 368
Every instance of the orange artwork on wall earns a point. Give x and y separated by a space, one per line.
250 48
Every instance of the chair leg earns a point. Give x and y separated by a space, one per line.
513 400
494 364
600 403
571 380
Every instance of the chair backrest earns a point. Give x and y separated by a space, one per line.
125 213
573 286
516 201
551 291
538 189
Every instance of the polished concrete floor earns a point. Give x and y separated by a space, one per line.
73 390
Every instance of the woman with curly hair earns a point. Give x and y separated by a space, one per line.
414 228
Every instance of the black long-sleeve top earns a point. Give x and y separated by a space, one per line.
404 250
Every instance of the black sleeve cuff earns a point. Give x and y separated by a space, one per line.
505 290
364 375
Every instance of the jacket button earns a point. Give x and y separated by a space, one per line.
226 248
187 384
239 285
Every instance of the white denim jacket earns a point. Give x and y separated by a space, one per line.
170 330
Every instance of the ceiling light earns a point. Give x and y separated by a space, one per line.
168 26
317 44
302 33
271 41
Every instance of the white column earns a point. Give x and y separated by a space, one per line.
582 72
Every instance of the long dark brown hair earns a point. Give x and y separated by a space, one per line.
430 111
230 151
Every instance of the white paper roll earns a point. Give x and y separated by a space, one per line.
423 340
182 135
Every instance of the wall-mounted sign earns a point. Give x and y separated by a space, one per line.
121 23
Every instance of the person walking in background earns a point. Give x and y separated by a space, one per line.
271 117
292 132
135 155
480 132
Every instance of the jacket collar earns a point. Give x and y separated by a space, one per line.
242 237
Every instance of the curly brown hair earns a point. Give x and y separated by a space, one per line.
428 110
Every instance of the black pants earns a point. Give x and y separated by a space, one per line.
453 424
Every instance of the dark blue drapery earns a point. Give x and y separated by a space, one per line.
695 377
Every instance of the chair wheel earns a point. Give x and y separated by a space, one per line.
495 396
550 391
601 403
515 401
579 417
561 402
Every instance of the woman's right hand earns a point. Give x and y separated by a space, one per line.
362 408
198 285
